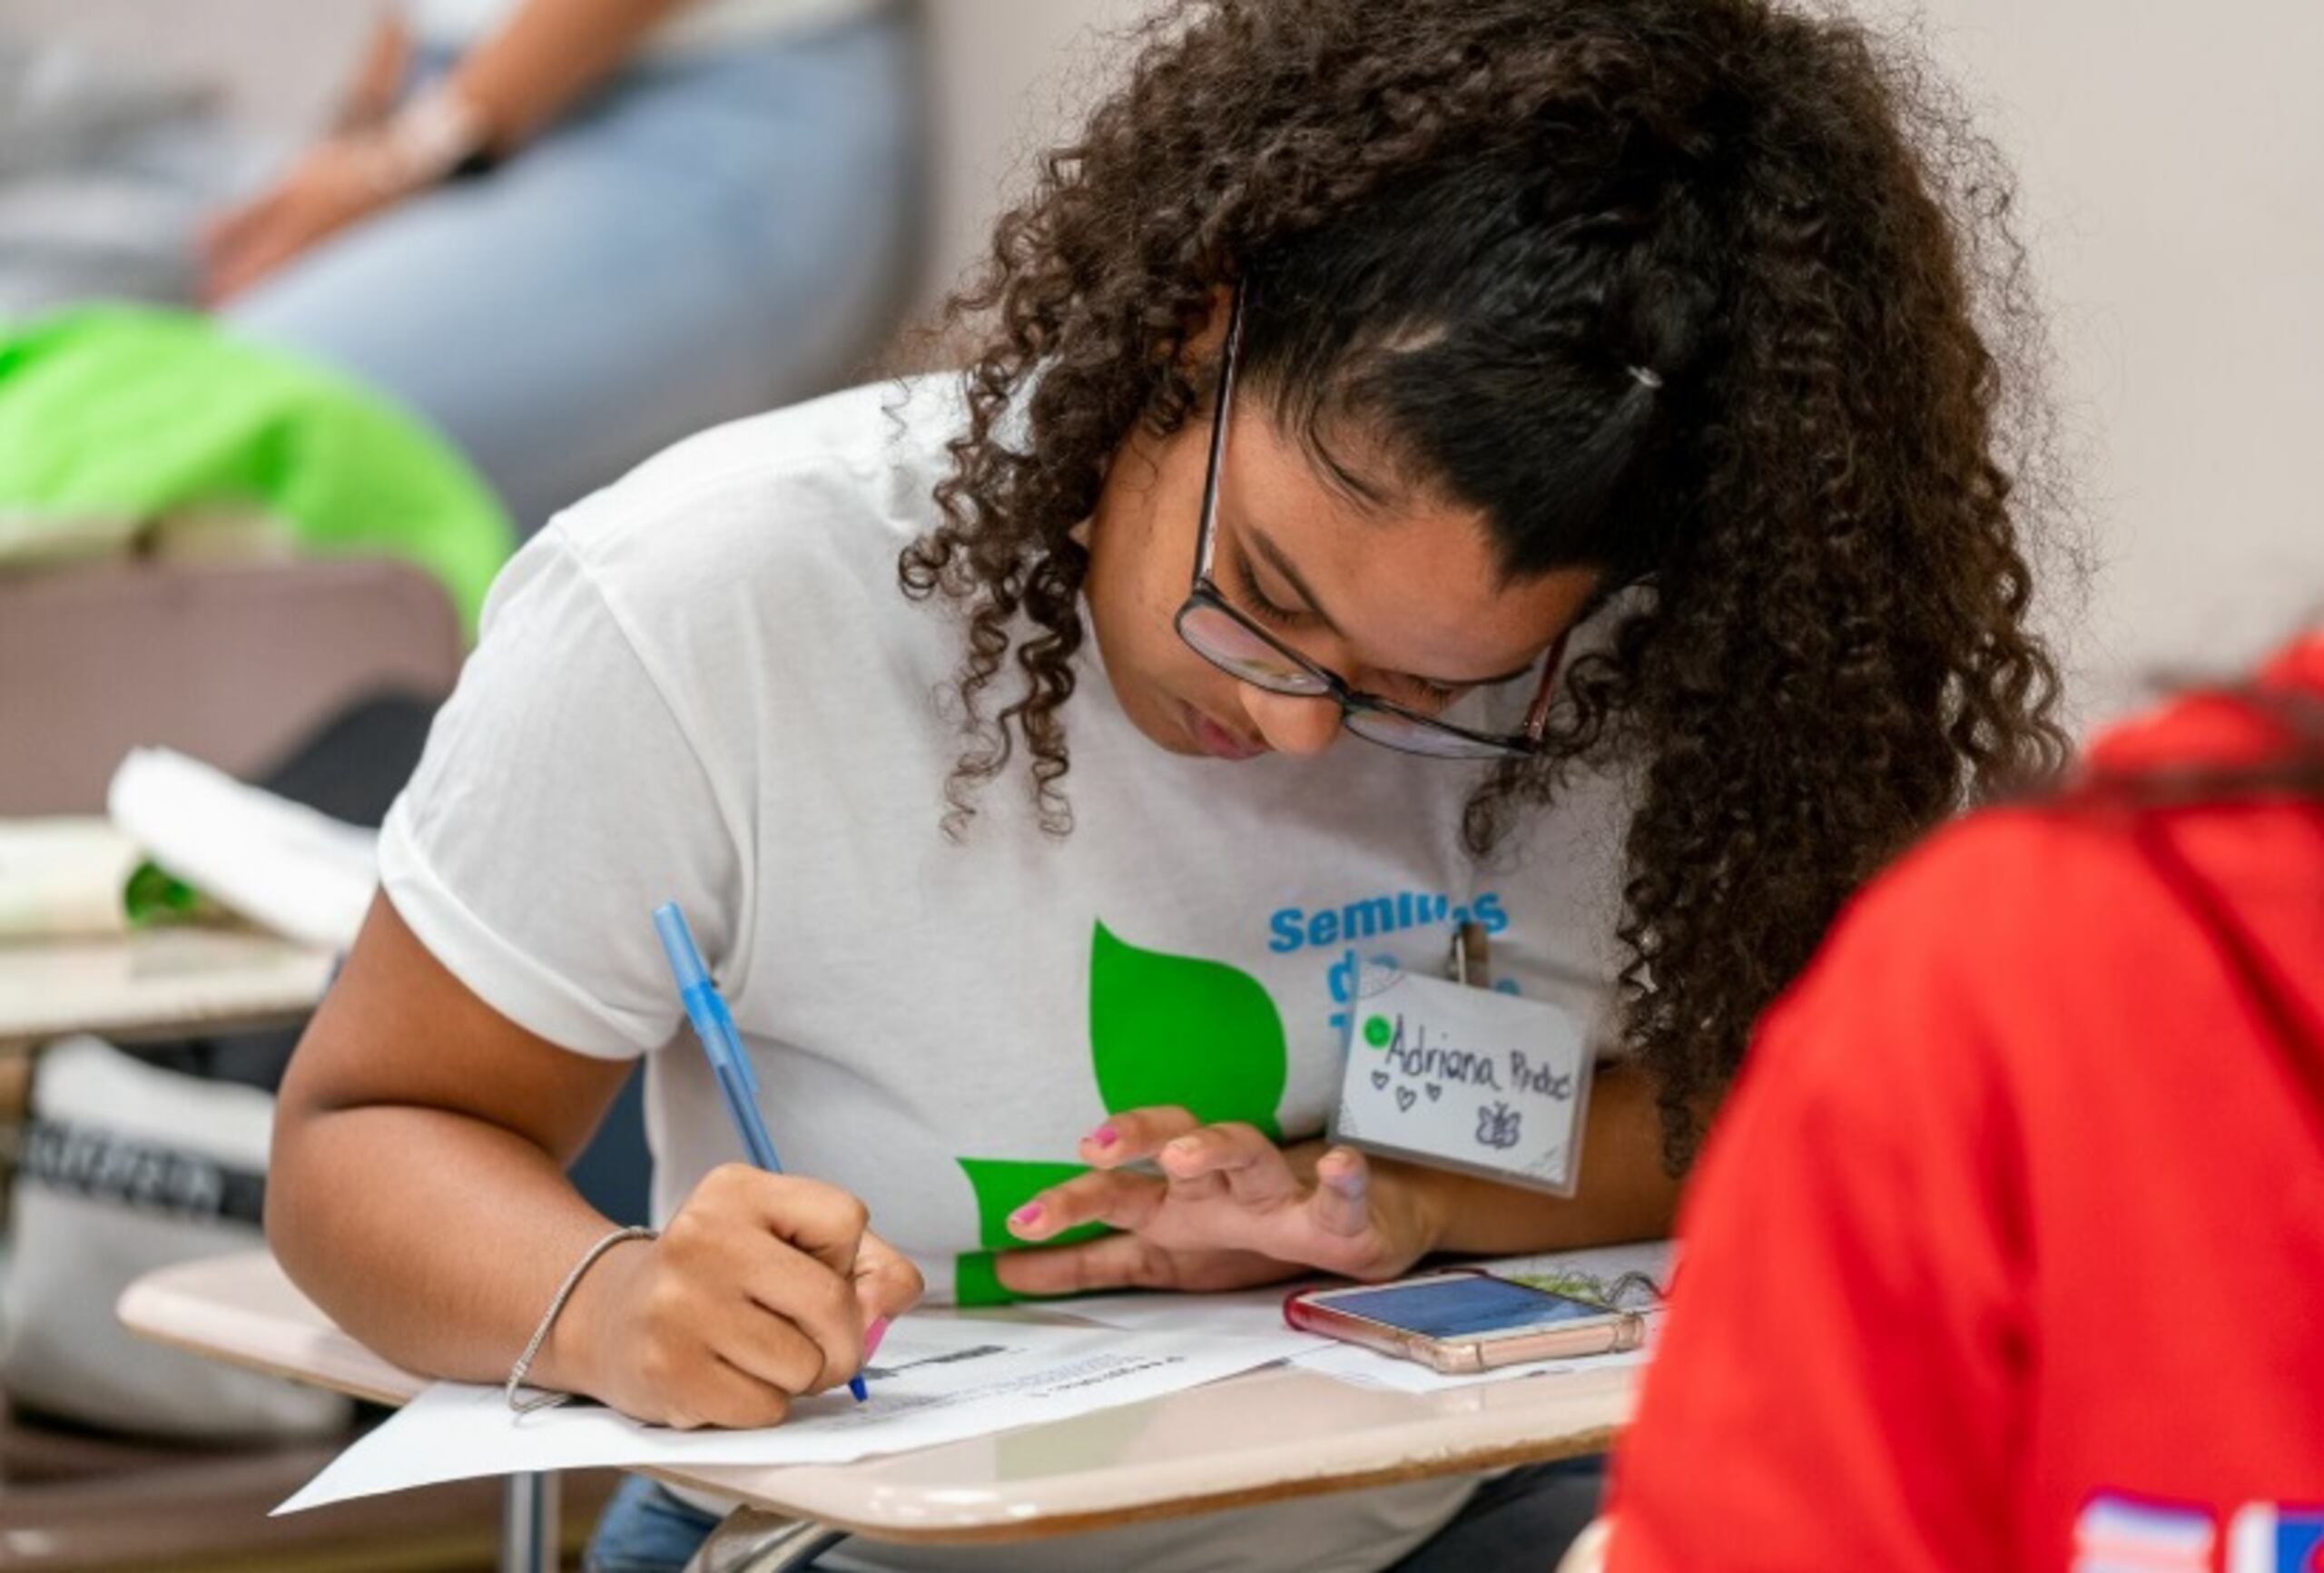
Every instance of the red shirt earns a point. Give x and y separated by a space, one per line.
2009 1249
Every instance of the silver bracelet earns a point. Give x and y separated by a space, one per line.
549 1320
425 139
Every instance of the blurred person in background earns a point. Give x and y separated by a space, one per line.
570 231
2006 1253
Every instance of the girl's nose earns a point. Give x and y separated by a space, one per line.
1291 724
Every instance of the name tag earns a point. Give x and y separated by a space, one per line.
1458 1077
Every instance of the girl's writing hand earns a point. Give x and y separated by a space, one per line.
762 1287
1229 1209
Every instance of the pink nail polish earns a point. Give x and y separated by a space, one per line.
1105 1136
873 1337
1027 1214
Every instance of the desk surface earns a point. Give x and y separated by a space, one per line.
155 982
1273 1434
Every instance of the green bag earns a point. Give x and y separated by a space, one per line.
113 418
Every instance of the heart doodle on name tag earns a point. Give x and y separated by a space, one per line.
1406 1098
1434 1092
1380 1080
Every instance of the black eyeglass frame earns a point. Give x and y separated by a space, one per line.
1354 703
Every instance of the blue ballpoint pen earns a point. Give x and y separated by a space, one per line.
715 1027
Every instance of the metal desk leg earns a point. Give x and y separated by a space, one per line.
751 1541
531 1529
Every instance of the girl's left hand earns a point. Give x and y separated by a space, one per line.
1229 1210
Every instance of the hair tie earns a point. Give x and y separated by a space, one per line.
1645 377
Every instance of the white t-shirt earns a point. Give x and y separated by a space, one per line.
703 24
704 684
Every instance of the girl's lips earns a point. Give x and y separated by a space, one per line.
1216 741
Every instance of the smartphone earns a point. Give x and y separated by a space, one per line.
1465 1320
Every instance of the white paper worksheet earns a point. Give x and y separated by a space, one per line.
936 1379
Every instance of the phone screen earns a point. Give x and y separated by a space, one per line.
1451 1307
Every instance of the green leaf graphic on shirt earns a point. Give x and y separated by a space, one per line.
1163 1029
1177 1029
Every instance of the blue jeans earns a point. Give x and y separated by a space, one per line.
645 1529
704 238
1522 1521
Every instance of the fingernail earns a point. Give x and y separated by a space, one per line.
1187 1146
872 1336
1105 1136
1030 1213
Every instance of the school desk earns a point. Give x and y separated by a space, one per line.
167 982
1268 1436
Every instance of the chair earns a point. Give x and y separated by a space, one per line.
233 664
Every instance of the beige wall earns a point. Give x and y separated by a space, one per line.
1011 77
2173 158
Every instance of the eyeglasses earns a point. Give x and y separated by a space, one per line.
1232 642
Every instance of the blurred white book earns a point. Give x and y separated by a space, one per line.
280 865
179 829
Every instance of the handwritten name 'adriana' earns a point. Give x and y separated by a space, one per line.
1441 1062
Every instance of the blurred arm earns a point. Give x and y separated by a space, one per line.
378 77
547 56
503 91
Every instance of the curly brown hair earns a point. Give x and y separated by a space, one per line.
1714 297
